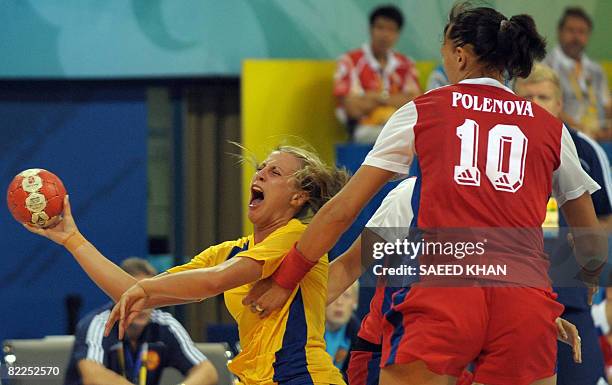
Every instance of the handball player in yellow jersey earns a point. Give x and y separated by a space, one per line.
286 347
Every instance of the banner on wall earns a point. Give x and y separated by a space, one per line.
164 38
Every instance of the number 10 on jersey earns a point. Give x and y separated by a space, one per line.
506 152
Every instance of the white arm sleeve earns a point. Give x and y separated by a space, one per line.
570 180
598 311
394 215
394 147
95 334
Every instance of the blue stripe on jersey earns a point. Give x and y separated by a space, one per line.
397 320
237 249
415 171
373 369
386 302
290 366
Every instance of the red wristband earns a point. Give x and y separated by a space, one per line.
293 268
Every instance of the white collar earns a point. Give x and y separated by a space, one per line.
486 82
392 62
567 61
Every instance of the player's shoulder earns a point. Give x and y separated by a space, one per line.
399 196
593 66
101 313
587 141
240 242
403 188
436 93
588 149
166 328
287 234
354 55
164 320
93 324
293 226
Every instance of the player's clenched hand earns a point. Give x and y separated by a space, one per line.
131 303
265 297
568 334
61 230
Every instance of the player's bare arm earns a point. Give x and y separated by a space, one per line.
182 287
590 242
338 214
345 270
106 274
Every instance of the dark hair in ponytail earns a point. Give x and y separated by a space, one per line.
510 45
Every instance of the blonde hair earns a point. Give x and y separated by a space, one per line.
320 181
541 73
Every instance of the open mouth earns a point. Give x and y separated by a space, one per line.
257 196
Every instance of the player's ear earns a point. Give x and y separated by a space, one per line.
461 57
299 198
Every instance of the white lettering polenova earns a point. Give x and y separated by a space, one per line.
478 103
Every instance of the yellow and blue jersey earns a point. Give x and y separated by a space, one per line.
287 347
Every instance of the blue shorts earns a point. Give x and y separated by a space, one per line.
591 370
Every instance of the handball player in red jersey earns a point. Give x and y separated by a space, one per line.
488 159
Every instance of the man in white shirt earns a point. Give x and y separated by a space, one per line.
586 96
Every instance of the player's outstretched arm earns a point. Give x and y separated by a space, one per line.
340 212
589 239
107 275
343 271
182 287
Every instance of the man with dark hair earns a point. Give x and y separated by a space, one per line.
389 12
155 340
575 12
586 96
373 81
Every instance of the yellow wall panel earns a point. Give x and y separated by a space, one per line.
287 102
607 67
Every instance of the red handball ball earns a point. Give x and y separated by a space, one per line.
36 197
